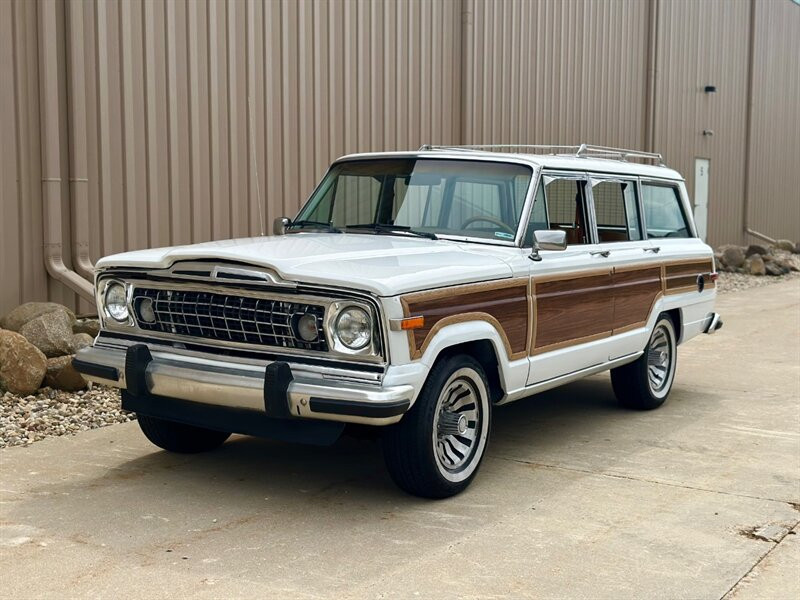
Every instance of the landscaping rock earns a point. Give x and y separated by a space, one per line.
786 263
61 375
756 249
733 256
786 245
757 266
29 311
774 269
51 333
22 365
81 340
87 326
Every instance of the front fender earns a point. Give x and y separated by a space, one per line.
513 374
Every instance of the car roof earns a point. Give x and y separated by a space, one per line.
556 162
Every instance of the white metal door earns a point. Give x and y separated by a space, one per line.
701 167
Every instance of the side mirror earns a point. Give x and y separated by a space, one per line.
279 225
548 239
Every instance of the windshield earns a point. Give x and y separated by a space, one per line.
420 197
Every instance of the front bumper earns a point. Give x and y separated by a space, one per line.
274 389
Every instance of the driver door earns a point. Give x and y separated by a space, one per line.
571 290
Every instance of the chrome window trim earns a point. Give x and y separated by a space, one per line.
374 353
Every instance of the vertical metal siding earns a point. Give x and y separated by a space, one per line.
193 109
705 43
555 72
774 186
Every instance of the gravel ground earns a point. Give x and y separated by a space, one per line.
24 420
734 282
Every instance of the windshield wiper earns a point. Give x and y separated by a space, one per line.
322 224
390 229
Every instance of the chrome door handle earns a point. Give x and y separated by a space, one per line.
603 253
654 250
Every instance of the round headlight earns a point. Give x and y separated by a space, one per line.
117 302
354 327
306 327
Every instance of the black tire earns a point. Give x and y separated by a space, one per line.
426 452
178 437
645 383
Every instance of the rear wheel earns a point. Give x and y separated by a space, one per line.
645 383
435 451
178 437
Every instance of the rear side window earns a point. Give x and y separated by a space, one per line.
663 212
616 211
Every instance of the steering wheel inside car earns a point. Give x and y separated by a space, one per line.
487 219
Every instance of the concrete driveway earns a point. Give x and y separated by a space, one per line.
577 498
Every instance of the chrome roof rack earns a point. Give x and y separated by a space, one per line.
580 151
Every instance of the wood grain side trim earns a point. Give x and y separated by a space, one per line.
572 309
681 276
635 294
504 304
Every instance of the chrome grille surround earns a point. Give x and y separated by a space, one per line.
228 317
331 300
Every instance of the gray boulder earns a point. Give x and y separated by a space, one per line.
81 340
22 365
61 375
757 266
753 249
733 256
51 333
87 326
786 245
29 311
787 263
774 268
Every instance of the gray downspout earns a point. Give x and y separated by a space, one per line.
78 180
51 160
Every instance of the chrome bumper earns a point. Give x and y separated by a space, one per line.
249 387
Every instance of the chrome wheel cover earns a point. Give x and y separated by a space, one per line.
460 425
661 359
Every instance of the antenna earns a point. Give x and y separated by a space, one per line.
255 165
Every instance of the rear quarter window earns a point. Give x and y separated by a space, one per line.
663 212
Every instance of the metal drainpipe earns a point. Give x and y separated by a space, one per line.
652 73
49 99
78 180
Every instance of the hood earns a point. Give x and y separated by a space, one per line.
383 264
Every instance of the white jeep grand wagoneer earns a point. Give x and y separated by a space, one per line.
414 291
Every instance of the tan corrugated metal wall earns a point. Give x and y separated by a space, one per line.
556 72
774 185
167 111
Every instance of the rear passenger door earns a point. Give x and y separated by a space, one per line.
636 269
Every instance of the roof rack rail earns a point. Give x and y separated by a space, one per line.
580 151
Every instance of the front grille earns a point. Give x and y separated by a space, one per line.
227 318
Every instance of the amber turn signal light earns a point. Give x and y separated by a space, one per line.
412 323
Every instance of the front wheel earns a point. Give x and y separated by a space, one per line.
435 451
645 383
179 437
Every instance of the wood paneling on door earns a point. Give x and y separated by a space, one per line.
503 304
635 291
572 309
